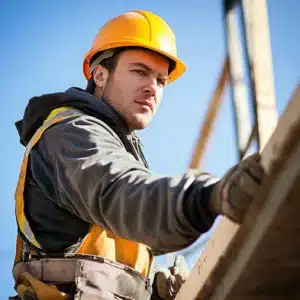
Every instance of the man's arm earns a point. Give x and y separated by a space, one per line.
99 181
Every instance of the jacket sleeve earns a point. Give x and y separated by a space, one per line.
99 181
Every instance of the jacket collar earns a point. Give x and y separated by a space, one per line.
39 108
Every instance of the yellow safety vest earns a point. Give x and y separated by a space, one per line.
98 241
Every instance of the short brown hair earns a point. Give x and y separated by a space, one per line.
110 64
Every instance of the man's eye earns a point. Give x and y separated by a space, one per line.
161 82
140 72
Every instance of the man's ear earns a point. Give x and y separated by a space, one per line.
100 76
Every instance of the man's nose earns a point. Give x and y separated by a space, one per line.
151 88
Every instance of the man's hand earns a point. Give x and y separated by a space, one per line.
234 193
169 281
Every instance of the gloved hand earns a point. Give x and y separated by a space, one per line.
167 282
234 193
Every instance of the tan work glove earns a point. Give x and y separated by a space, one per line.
234 193
169 281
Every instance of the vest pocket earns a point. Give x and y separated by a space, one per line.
108 281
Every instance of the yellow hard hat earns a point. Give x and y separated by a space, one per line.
138 29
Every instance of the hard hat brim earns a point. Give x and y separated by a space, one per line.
179 69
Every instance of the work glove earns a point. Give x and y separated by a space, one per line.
167 282
234 193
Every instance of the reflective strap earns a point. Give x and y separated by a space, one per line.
55 111
55 116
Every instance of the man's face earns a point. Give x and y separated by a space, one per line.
136 86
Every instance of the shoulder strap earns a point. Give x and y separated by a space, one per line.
57 115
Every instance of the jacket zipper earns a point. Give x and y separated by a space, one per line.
136 145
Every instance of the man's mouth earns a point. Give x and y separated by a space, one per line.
148 103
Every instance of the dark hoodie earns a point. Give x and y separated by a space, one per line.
90 170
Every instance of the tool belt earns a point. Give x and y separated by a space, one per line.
90 278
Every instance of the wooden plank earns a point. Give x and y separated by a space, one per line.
239 97
210 117
259 57
247 261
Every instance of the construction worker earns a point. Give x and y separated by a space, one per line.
90 213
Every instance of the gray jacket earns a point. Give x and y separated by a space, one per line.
90 170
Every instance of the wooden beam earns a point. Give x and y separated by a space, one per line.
259 259
210 117
239 97
259 58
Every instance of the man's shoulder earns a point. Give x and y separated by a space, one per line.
81 128
88 123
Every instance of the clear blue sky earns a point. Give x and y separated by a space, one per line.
42 46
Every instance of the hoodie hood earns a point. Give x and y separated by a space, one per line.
40 107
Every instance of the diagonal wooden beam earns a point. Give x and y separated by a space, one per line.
210 117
